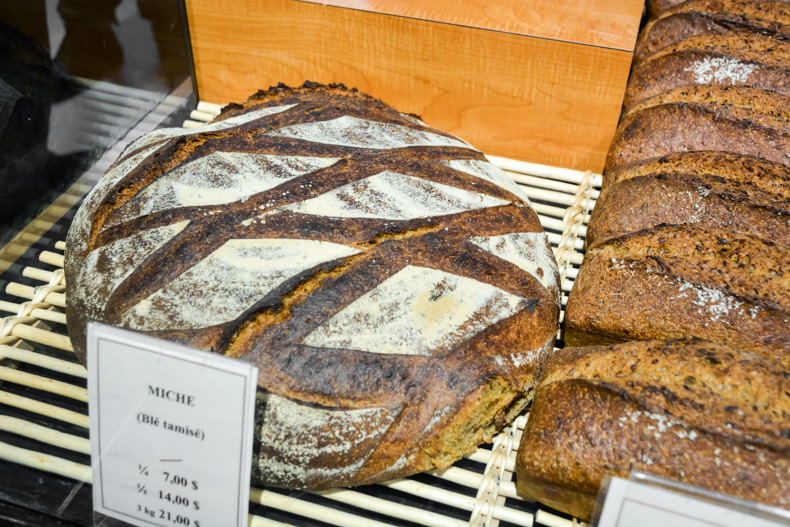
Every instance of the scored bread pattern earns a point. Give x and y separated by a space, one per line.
121 169
417 311
239 273
489 172
163 134
125 254
393 196
219 178
529 251
319 432
362 133
361 245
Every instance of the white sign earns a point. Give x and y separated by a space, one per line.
171 431
631 502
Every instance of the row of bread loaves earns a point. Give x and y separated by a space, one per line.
691 233
683 298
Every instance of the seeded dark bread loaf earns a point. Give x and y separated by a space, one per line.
739 103
655 7
690 237
712 17
748 46
685 127
717 189
721 422
736 169
674 281
757 61
395 290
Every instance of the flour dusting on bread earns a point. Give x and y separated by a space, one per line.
394 196
721 70
417 311
363 133
228 282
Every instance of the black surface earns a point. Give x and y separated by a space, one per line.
27 494
24 517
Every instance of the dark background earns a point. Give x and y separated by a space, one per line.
75 76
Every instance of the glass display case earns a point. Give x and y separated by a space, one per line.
78 80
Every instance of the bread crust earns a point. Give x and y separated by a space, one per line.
299 231
720 423
738 170
656 7
673 281
669 71
684 127
690 237
747 46
714 18
740 103
646 201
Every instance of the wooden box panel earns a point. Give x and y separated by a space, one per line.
540 81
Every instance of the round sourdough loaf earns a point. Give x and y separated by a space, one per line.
395 290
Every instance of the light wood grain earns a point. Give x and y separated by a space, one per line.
533 99
606 23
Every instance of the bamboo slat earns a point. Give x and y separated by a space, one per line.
480 455
201 116
36 312
309 509
10 307
45 409
551 173
43 383
543 183
43 361
47 294
460 476
556 240
46 462
48 338
404 512
35 273
44 434
49 316
51 258
209 109
552 520
548 210
257 521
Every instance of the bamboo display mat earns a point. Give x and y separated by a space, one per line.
43 395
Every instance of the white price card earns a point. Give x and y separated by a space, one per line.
170 429
649 501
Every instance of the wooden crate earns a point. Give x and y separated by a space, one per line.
540 81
